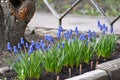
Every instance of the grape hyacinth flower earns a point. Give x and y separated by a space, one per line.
46 37
43 46
94 34
26 45
9 47
59 34
70 32
15 49
82 37
111 29
106 28
60 29
19 46
30 49
37 46
101 28
41 43
49 38
21 40
89 34
76 30
33 43
99 24
66 35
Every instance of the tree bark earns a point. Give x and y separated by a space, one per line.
17 14
2 28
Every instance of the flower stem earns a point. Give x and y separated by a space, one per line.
69 72
91 65
97 64
58 77
80 69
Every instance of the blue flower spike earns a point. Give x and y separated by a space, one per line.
52 39
15 49
37 46
59 34
99 24
43 47
70 32
19 46
106 28
101 27
33 43
66 35
111 29
22 40
46 37
9 47
30 49
49 38
89 34
41 42
94 34
26 45
82 37
76 30
60 29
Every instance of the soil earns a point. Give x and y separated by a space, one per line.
64 74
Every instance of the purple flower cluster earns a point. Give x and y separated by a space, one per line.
49 38
82 37
30 47
104 28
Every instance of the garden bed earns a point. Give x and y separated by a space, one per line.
9 74
64 74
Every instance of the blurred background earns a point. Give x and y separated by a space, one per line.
111 7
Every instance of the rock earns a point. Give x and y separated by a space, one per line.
4 69
28 31
53 33
112 68
92 75
43 32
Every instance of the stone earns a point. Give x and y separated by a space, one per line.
112 68
43 32
53 33
28 31
92 75
4 69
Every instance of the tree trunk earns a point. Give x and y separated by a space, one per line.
17 14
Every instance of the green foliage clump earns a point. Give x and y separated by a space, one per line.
27 66
106 45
